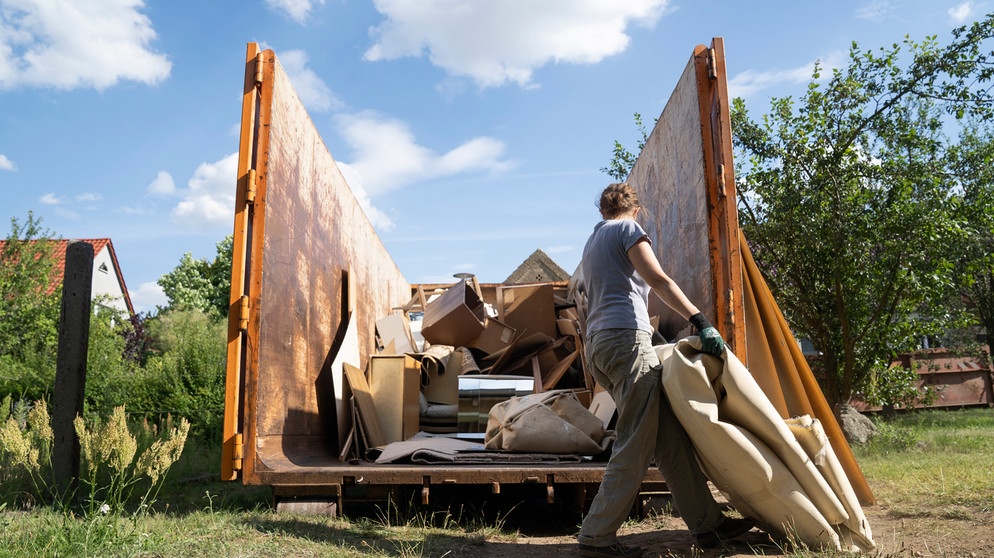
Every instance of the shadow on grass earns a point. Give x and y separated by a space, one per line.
368 538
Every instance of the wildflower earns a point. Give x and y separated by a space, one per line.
17 445
105 509
86 446
119 445
157 459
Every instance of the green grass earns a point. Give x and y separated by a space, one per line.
933 463
923 464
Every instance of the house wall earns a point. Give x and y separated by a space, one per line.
105 283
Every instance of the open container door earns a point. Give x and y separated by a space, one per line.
685 180
301 305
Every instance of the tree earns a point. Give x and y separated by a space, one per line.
847 203
622 160
202 284
972 168
29 315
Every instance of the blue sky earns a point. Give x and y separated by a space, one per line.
473 131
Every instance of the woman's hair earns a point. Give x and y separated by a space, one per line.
617 199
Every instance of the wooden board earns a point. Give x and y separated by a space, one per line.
367 406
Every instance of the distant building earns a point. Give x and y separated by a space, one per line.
108 282
538 268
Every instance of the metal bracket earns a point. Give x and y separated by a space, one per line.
243 313
258 69
238 452
250 186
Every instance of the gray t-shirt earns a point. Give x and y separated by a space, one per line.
617 296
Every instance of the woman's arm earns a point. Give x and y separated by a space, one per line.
646 264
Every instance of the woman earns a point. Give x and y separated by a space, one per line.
619 269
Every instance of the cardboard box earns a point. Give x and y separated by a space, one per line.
394 332
528 308
455 318
395 384
496 336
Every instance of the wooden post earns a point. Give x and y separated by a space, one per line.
70 372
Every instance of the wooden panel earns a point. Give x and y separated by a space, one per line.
307 232
685 181
669 179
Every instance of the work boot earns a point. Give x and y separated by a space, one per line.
728 529
616 550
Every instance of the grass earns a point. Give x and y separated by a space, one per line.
923 464
933 463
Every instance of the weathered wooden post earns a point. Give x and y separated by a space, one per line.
70 372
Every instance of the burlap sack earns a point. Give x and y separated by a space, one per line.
548 422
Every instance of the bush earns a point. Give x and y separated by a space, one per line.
187 377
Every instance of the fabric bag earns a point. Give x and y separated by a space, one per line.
547 422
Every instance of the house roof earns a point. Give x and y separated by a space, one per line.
59 263
538 268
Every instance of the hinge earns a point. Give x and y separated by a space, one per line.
250 186
243 313
721 181
238 453
258 69
712 64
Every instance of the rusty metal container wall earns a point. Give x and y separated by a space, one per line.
684 186
313 240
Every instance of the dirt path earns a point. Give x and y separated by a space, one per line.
970 534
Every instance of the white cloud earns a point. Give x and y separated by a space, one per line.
388 157
312 90
961 13
378 218
147 296
209 200
6 164
875 11
163 185
68 44
51 199
498 42
88 197
297 10
750 82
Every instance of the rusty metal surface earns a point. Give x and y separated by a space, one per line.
685 184
957 380
308 234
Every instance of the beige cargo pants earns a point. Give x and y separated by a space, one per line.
624 362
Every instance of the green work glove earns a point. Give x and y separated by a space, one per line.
711 341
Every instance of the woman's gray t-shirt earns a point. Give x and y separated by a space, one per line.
617 296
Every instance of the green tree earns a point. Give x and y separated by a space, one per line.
846 201
186 374
973 170
622 160
29 314
202 284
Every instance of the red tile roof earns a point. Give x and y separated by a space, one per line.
59 263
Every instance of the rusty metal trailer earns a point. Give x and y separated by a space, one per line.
310 277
